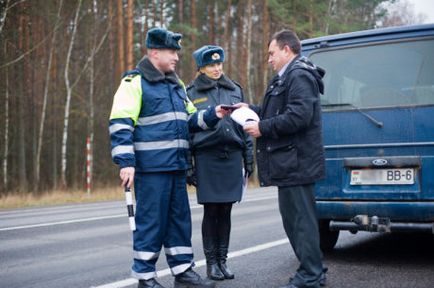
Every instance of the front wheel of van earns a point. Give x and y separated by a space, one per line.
327 238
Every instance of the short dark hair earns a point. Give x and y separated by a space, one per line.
288 38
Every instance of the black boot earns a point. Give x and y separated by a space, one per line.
223 255
151 283
190 279
210 250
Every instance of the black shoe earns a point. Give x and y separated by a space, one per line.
190 279
151 283
323 279
213 272
226 271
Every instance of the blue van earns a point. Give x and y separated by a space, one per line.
378 125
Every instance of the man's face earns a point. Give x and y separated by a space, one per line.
166 60
277 57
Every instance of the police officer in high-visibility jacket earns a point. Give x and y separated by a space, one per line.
149 125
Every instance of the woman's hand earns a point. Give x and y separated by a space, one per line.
220 112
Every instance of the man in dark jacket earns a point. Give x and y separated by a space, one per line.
290 152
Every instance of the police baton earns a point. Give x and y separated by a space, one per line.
130 208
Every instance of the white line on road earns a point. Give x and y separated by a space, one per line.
165 272
104 217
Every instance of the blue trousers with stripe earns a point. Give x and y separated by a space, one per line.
163 218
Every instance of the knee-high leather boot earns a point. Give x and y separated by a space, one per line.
210 250
223 254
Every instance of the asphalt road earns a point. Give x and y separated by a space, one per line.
89 245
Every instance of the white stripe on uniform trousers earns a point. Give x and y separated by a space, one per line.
178 250
122 149
155 145
144 276
169 116
180 268
116 127
143 255
200 120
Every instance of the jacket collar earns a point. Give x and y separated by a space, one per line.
203 82
301 62
152 74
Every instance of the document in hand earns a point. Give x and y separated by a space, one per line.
244 115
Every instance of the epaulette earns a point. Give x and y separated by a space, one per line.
129 75
238 84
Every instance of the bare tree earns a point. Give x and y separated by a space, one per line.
121 56
6 133
248 50
402 13
68 97
3 12
130 31
44 102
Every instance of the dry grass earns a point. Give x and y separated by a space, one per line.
60 197
21 200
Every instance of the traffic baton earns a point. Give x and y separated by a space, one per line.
130 208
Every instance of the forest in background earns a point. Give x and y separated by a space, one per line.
61 62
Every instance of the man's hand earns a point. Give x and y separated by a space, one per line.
127 176
252 128
220 112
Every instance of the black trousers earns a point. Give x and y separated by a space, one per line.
297 208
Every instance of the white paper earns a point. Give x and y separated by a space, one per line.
244 115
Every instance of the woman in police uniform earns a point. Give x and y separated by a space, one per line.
219 156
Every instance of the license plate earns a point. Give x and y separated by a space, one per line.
382 177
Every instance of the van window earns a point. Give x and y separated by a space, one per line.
382 75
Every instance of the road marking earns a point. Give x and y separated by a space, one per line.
165 272
106 217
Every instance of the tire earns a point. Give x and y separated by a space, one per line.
327 238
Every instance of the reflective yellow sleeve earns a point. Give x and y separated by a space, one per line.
189 106
128 99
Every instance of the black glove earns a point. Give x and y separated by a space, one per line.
248 169
191 177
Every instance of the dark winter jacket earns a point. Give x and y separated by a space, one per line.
290 151
205 92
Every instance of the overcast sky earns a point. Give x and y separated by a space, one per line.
425 7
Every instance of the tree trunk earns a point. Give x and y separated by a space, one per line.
240 52
193 33
265 40
248 51
22 160
6 133
121 57
130 39
211 22
44 102
3 14
68 99
162 12
113 75
228 37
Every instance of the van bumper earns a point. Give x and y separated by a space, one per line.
378 216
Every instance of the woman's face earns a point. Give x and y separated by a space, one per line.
213 71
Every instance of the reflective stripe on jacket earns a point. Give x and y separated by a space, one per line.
149 122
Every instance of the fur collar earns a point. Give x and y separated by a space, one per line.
203 82
152 74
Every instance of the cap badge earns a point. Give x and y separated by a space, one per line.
215 56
